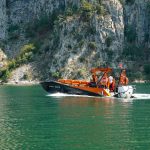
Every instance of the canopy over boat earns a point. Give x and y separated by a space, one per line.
94 70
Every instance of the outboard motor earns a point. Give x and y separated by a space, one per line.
125 91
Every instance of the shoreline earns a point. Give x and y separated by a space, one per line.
22 83
30 83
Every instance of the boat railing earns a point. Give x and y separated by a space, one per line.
74 82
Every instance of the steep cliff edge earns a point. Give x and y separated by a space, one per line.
136 16
137 37
66 38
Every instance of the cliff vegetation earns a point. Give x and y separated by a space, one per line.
53 39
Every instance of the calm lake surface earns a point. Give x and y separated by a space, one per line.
32 120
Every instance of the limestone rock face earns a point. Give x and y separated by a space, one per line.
137 16
3 59
74 43
21 75
88 49
26 10
3 20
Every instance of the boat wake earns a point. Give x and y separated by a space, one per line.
67 95
141 96
135 96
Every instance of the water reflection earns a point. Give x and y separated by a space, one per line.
100 121
106 102
23 117
31 120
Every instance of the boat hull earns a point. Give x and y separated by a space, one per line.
55 87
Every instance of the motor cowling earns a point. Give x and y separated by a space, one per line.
125 91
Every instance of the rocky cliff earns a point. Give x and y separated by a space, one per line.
65 38
136 17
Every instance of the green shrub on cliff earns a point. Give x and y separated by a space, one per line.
87 10
56 74
2 44
12 64
26 76
100 9
27 48
130 2
108 41
40 25
13 28
25 56
87 6
13 32
130 34
133 52
5 74
71 10
147 69
92 45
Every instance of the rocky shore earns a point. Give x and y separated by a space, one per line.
25 82
36 82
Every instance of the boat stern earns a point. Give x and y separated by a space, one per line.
125 91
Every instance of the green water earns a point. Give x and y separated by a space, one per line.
30 120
